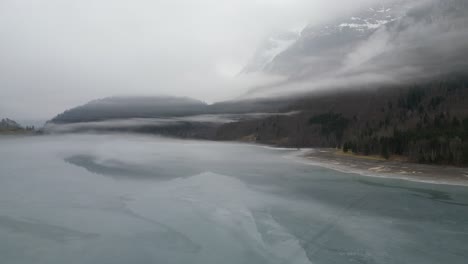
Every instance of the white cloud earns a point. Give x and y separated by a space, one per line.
60 53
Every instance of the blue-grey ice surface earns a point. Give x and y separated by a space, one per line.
134 199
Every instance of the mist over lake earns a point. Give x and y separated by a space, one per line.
234 132
144 199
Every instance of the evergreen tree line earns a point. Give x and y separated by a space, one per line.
442 142
441 139
437 137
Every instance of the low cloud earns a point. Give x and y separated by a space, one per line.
430 41
57 54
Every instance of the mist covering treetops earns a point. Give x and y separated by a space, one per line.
424 122
400 41
162 107
132 107
8 124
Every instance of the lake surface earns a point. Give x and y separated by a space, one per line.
135 199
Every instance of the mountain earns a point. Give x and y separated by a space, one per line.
132 107
170 116
8 124
269 49
398 42
423 122
162 107
396 85
322 46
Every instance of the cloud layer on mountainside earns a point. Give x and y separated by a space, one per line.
428 39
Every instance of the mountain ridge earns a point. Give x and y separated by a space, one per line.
406 44
398 87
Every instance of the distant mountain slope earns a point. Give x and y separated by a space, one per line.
8 124
421 121
132 107
323 46
160 107
269 49
397 85
404 41
424 122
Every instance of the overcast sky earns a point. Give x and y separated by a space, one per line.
56 54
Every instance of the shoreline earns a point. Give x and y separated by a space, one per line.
369 166
380 168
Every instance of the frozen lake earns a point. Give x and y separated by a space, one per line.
135 199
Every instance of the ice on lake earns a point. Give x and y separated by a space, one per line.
137 199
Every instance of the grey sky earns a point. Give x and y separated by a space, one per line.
56 54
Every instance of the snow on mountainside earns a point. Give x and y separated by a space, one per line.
363 24
402 41
324 45
367 20
269 49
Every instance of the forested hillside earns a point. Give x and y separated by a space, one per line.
131 107
425 122
8 126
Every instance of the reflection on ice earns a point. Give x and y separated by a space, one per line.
42 230
223 209
131 199
120 169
